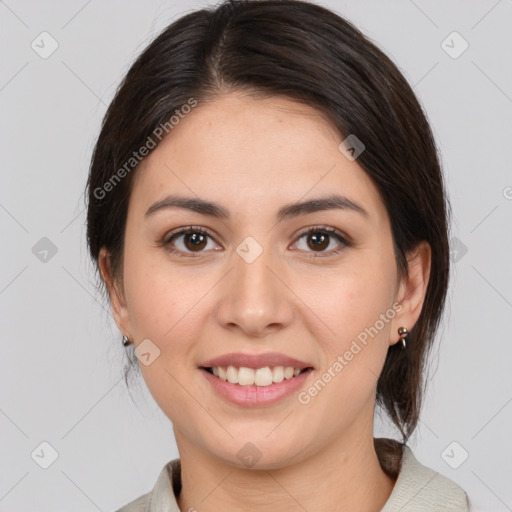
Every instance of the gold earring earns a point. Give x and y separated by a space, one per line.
403 333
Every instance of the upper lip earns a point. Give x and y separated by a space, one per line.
255 361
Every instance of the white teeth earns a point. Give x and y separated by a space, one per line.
232 374
278 374
245 376
288 372
261 377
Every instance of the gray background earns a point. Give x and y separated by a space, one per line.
62 359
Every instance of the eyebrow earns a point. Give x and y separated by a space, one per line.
288 211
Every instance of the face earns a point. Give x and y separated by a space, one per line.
259 274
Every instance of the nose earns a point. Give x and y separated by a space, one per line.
255 299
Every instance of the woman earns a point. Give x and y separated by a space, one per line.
267 213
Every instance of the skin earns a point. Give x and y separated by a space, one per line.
253 156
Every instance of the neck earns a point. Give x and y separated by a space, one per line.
344 476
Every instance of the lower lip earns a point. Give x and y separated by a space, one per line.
254 396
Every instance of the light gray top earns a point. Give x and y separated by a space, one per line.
417 489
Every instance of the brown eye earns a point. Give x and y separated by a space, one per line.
195 241
324 241
318 241
187 241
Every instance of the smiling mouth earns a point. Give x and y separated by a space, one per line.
262 377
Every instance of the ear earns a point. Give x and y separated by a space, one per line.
116 294
412 289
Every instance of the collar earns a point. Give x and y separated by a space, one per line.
416 487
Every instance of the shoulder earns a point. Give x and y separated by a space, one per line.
419 488
163 495
141 504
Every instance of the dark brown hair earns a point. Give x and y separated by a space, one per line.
309 54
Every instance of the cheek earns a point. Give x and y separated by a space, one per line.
358 310
157 296
355 299
164 307
167 305
354 355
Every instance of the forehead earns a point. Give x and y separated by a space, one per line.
249 152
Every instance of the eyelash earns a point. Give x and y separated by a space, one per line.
167 241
